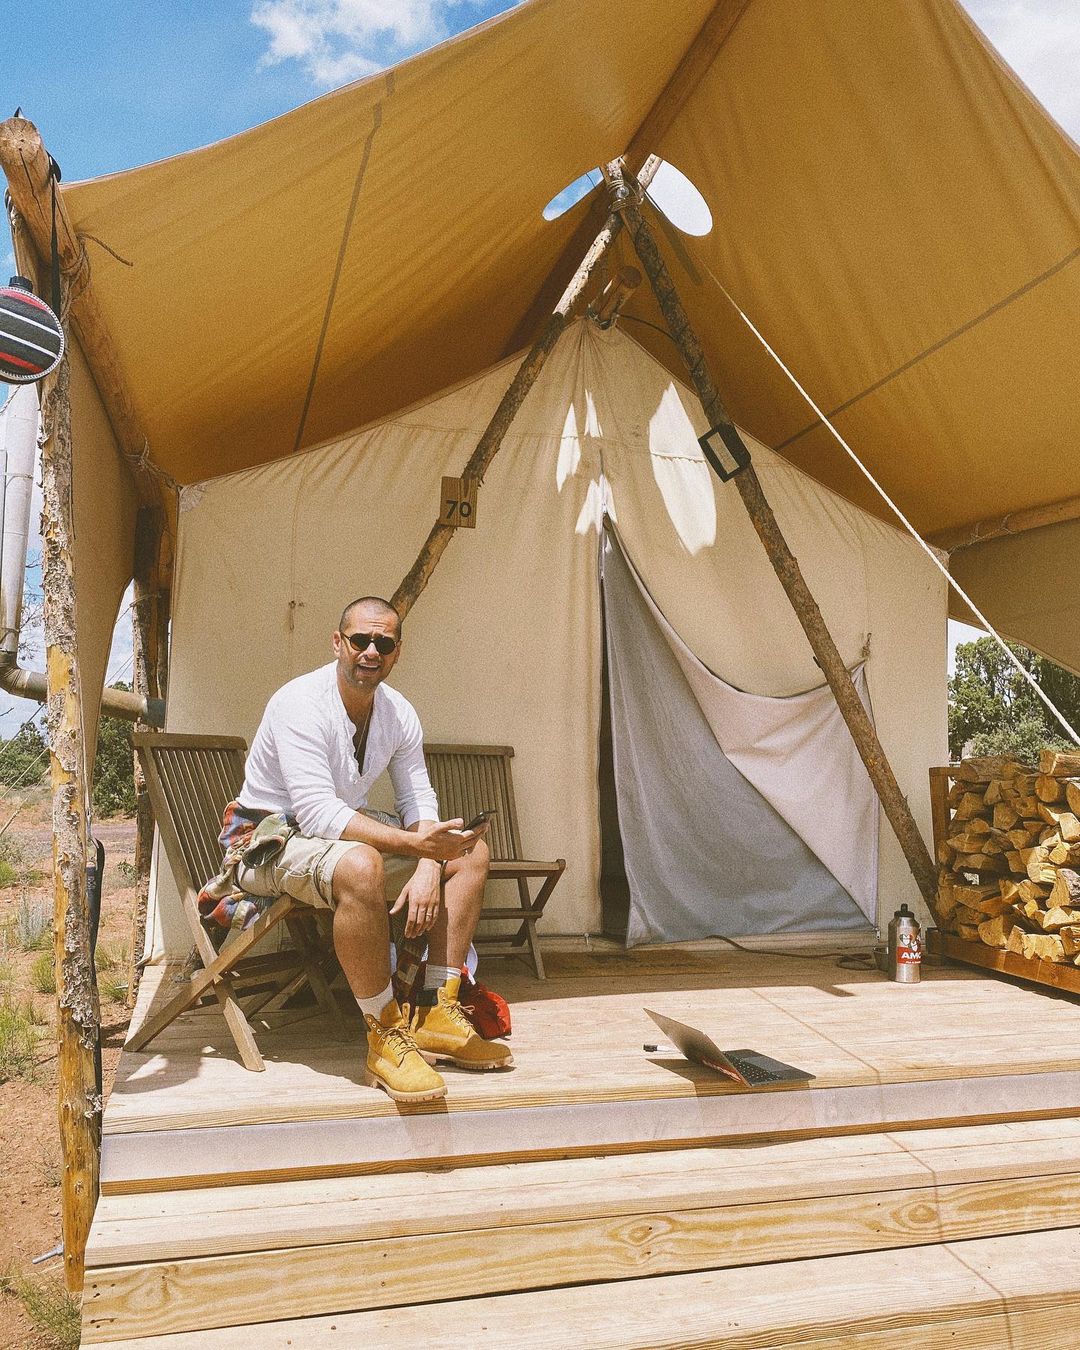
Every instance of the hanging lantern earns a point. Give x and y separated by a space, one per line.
31 336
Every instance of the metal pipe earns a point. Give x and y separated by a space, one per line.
18 447
18 432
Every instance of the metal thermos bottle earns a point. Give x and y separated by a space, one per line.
905 947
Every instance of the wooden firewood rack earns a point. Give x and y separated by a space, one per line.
940 943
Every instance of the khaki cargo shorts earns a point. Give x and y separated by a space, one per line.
304 869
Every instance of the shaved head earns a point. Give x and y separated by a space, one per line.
373 602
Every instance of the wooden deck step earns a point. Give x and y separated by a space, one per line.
1018 1290
174 1263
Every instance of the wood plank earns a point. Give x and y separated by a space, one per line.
827 1303
840 1024
1051 973
202 1292
220 1221
327 1147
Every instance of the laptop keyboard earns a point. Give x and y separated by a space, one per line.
754 1073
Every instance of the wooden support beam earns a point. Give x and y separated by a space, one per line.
998 527
26 164
527 374
150 623
784 563
78 1013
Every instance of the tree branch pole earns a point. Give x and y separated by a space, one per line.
78 1013
149 622
527 374
863 733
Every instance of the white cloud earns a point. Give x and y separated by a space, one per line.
341 40
1040 39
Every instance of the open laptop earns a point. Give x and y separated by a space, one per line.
745 1067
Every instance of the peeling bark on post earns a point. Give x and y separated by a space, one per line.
150 621
787 569
78 1014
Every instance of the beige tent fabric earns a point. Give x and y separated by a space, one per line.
891 206
902 221
104 507
453 156
1024 586
504 644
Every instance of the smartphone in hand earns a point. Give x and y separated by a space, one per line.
481 819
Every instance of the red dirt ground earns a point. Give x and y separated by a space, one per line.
30 1166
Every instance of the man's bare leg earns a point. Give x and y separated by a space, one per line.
362 944
440 1026
361 928
463 897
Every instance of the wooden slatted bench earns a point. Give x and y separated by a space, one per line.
469 779
191 779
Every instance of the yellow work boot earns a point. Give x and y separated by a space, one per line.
393 1061
444 1031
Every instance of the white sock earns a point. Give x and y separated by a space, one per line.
374 1005
436 976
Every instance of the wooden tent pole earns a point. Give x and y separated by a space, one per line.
150 620
78 1013
783 560
1005 527
488 446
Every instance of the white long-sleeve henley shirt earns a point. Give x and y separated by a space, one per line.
302 760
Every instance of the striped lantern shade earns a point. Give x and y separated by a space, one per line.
31 336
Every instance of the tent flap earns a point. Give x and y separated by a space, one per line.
706 852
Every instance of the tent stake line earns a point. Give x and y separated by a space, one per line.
780 555
528 372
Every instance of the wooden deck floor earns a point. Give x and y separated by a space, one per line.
947 1112
578 1038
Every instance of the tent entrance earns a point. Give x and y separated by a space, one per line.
614 887
691 848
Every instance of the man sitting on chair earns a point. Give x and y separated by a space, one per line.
324 739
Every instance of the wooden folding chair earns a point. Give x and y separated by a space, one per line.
191 779
469 779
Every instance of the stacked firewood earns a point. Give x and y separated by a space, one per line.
1010 865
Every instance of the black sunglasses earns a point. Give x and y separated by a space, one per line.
360 642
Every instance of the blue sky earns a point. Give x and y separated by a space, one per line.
113 85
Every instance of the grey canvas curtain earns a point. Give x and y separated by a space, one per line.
706 853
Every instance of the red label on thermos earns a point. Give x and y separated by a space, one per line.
909 953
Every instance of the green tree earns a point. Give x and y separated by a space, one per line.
993 711
23 758
113 791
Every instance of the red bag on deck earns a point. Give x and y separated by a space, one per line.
487 1011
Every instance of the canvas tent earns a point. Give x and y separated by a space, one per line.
505 645
910 249
891 206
